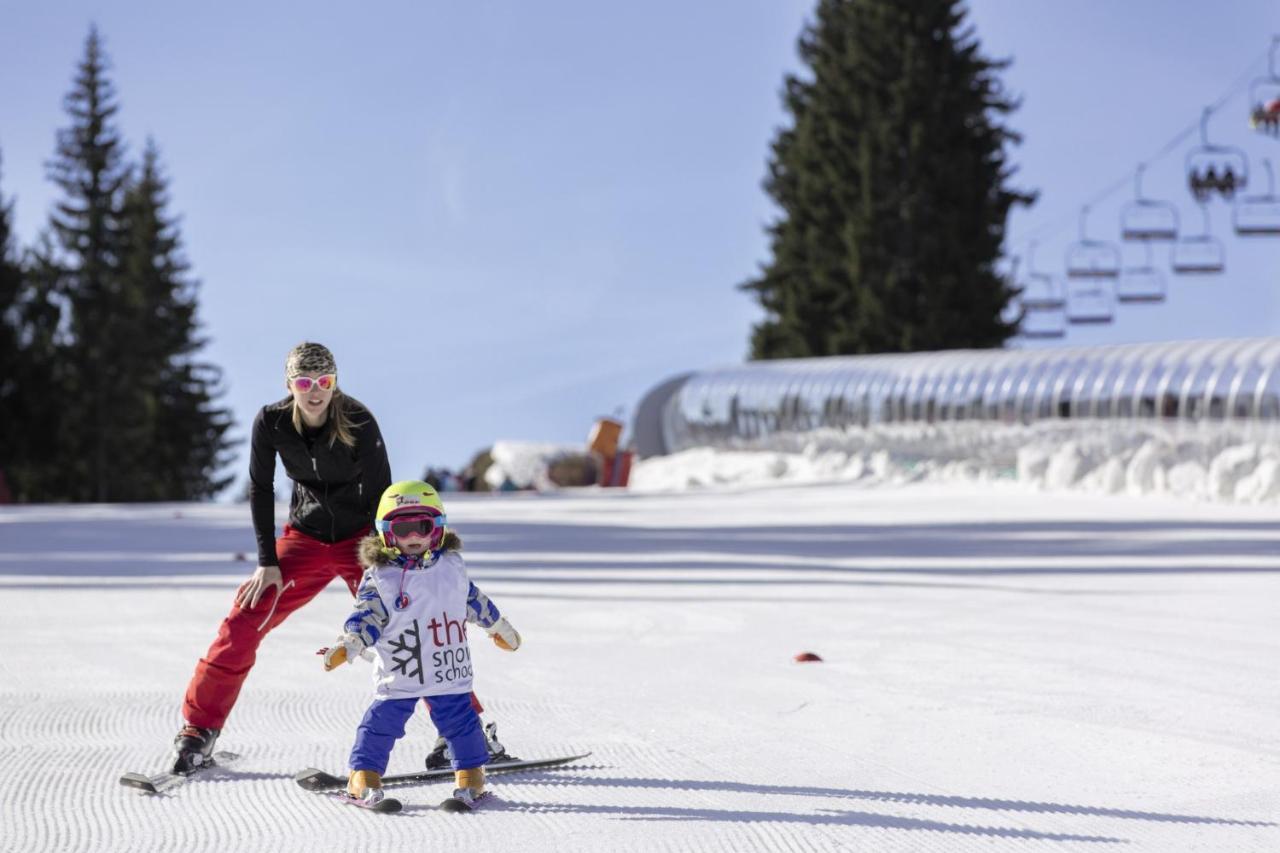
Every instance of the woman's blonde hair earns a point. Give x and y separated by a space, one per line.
339 418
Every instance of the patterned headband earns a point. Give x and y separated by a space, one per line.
309 358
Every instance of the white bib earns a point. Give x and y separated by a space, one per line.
423 648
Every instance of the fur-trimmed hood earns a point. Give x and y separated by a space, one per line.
372 554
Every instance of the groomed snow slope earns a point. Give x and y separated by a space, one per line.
1003 670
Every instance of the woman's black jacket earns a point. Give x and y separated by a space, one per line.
335 487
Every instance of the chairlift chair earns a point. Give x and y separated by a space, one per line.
1041 291
1142 283
1091 259
1199 253
1259 215
1147 219
1091 304
1221 169
1040 324
1264 97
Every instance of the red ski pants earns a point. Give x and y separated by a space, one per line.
307 566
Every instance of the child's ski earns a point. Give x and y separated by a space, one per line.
162 782
318 780
462 805
387 805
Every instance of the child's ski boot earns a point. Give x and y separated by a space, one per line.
470 792
364 789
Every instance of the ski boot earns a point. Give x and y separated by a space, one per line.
194 747
364 789
497 752
440 757
366 786
469 793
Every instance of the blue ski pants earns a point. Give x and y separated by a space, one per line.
454 717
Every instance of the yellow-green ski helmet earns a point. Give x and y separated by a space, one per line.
411 499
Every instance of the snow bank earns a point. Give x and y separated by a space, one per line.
1208 462
524 463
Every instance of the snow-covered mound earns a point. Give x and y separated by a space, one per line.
1207 463
524 464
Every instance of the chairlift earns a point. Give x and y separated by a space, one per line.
1259 215
1041 291
1043 326
1199 253
1142 283
1215 168
1091 259
1041 302
1147 219
1091 304
1264 97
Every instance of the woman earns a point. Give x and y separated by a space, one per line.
331 448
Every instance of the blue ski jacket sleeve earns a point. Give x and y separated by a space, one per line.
480 609
370 615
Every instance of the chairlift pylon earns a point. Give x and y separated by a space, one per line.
1259 215
1145 218
1091 259
1199 253
1221 169
1141 283
1264 96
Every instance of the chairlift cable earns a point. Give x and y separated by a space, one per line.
1237 86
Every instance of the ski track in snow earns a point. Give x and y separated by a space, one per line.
1002 671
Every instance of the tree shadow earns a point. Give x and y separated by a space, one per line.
825 817
950 801
182 546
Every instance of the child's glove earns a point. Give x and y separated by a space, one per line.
349 647
504 636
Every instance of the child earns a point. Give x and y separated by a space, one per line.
411 610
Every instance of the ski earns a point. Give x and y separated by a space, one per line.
318 780
387 805
458 805
162 782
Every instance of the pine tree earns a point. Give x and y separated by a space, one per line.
90 168
31 391
892 184
10 292
186 433
11 353
44 415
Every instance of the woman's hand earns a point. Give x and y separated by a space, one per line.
252 590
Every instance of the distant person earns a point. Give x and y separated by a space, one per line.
411 610
331 448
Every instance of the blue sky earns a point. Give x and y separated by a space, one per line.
508 218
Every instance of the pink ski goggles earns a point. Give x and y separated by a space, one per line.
303 384
422 522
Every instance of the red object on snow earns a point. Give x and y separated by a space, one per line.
615 471
807 657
